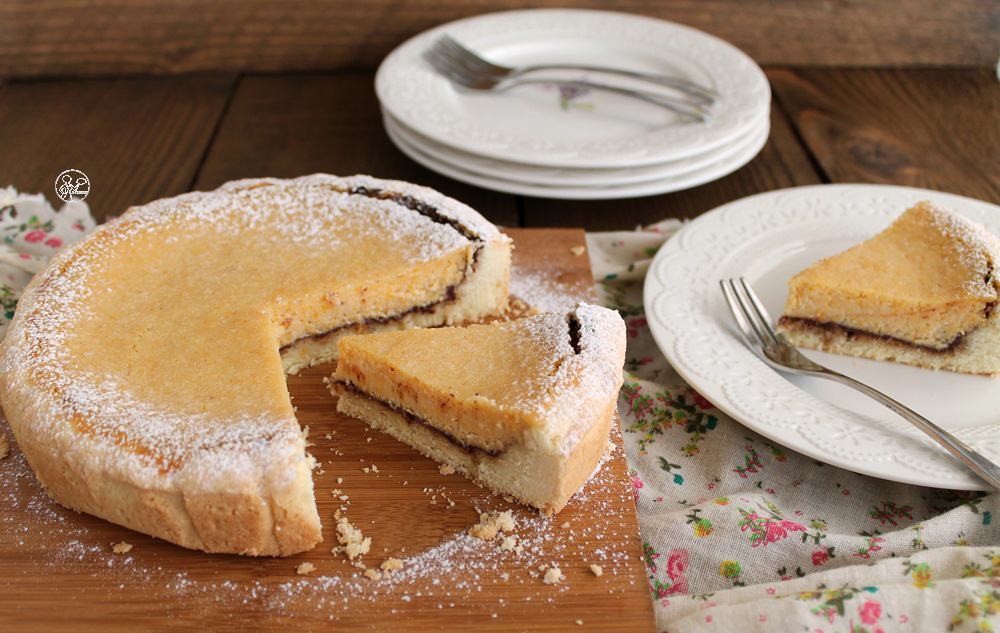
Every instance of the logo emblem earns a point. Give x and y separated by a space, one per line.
72 184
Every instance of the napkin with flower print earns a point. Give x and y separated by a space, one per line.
32 233
742 534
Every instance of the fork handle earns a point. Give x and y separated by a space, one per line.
979 464
684 85
681 107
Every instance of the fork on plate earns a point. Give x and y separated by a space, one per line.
465 68
449 46
772 348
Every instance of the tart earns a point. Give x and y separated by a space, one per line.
922 292
522 407
144 372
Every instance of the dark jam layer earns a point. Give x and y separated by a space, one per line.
449 295
429 211
574 332
834 329
411 418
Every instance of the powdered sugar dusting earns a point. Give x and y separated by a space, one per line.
307 212
587 373
540 292
976 248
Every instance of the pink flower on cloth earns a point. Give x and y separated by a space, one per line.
764 530
676 568
636 485
775 530
635 324
819 557
35 236
701 400
870 611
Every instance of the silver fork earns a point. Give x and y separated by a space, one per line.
456 70
772 347
447 45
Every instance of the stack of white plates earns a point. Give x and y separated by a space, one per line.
540 140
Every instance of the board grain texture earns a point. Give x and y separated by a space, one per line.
60 571
130 37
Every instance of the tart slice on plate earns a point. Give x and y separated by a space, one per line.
922 292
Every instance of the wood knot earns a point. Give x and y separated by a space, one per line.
880 156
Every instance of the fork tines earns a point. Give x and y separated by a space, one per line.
754 322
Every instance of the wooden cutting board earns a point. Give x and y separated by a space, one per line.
60 572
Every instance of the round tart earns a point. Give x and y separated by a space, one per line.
144 372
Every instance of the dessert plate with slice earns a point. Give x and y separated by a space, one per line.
768 239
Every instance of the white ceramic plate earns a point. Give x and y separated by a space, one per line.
768 238
528 124
710 172
564 176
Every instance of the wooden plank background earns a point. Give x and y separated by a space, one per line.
141 139
141 37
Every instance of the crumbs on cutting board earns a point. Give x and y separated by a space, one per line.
509 546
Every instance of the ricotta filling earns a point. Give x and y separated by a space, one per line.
411 417
448 296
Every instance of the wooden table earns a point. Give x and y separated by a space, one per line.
139 139
154 118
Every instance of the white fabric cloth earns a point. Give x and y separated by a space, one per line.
31 233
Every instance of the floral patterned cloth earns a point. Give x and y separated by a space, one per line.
741 534
32 233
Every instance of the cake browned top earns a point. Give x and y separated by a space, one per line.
157 337
487 385
927 280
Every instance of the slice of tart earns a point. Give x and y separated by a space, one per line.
522 407
922 292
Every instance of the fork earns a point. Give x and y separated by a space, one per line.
775 350
456 69
446 45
